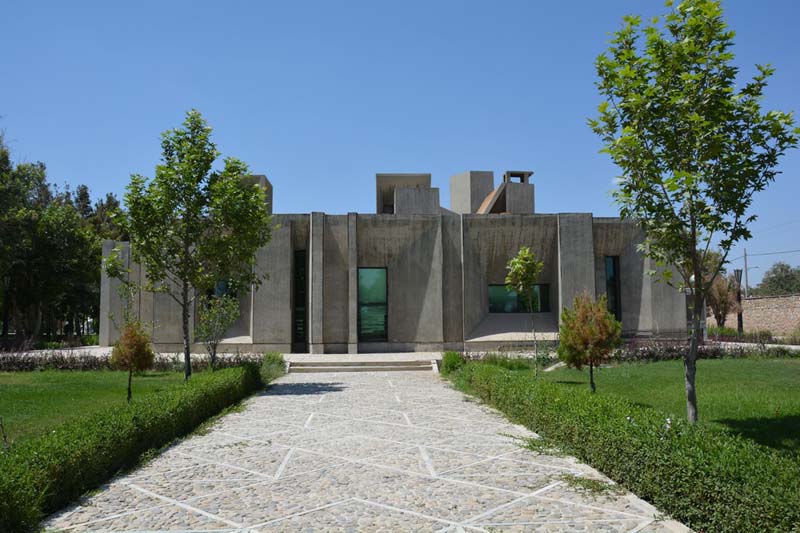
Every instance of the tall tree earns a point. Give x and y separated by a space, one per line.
779 279
693 149
192 226
523 273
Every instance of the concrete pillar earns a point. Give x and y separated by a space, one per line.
575 257
315 283
352 283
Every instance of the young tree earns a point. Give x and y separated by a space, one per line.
523 272
216 315
191 226
588 334
132 352
693 149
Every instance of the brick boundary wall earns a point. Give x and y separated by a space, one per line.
778 314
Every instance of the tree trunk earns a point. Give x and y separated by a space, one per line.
130 378
535 346
690 361
213 356
187 357
591 376
6 307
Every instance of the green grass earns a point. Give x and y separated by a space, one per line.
756 398
32 403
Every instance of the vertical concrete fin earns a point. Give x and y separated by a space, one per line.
575 257
315 278
352 283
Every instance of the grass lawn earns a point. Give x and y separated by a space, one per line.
756 398
32 403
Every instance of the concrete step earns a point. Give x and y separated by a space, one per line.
334 362
401 367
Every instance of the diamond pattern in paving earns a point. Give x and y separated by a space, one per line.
383 451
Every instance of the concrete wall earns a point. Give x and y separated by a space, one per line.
335 317
272 302
648 306
520 198
575 257
468 190
416 201
489 242
778 314
410 247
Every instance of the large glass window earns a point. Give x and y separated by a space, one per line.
372 307
613 286
503 300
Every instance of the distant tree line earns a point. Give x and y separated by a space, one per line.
779 280
50 253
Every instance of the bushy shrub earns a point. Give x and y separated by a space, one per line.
588 334
666 350
133 352
710 480
272 366
41 475
451 361
90 340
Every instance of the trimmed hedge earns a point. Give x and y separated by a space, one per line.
41 475
710 480
452 361
78 359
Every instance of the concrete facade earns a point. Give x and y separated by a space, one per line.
439 266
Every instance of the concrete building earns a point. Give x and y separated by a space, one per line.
418 277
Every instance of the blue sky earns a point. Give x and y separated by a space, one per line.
322 95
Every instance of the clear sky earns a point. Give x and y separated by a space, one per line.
320 96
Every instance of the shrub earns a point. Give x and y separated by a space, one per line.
133 352
452 361
710 480
41 475
588 334
272 366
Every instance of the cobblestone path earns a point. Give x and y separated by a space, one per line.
359 451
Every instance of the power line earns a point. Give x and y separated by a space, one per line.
765 253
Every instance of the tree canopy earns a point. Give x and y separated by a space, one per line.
779 280
693 145
191 226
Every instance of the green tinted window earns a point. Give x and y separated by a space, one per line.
502 300
372 304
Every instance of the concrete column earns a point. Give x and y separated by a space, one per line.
315 283
352 283
575 257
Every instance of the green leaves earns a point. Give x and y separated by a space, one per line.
692 148
193 224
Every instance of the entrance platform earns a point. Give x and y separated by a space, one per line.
363 362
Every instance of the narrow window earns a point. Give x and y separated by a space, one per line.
613 286
372 305
299 319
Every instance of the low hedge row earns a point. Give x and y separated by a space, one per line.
79 359
41 475
657 350
703 477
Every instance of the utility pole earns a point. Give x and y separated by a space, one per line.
746 282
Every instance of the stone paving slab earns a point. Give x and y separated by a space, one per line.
382 451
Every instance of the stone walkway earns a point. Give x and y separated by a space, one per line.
359 451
